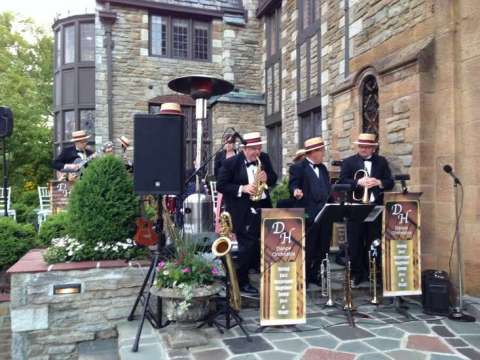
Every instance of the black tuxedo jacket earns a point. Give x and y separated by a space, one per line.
316 190
232 174
380 171
67 156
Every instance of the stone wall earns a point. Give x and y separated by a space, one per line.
51 327
138 77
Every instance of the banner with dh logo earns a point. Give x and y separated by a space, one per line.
282 284
401 263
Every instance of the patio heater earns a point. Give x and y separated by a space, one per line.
198 217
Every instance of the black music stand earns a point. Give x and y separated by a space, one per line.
343 212
224 308
154 319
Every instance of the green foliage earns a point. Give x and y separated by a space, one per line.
15 240
56 226
102 204
280 192
26 73
25 203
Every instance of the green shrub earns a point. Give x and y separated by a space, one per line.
15 240
102 204
25 203
280 192
54 227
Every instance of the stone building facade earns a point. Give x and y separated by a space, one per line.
406 69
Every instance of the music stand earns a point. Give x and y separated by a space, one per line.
344 212
225 309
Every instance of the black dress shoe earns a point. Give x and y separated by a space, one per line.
248 289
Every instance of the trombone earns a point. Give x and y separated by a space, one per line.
365 198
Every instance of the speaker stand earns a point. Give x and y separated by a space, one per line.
155 321
5 177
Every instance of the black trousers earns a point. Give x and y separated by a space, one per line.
360 237
249 243
317 245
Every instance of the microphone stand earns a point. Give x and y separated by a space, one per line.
457 313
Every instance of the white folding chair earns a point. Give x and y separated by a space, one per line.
45 204
12 213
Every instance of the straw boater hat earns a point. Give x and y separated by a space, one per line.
79 135
299 154
313 144
367 139
124 141
253 139
170 109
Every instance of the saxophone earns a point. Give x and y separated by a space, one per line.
221 247
260 186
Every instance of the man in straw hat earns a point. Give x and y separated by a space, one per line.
310 185
379 179
65 161
125 144
236 182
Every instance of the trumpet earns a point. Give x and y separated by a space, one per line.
372 262
365 199
326 278
260 186
221 248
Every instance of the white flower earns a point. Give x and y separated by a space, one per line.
166 272
70 253
129 241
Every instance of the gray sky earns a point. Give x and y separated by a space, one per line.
43 12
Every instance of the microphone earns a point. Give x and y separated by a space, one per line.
448 169
402 178
237 135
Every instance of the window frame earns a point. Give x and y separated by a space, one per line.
190 37
313 27
311 113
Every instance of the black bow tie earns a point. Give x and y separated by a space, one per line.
315 165
369 159
252 163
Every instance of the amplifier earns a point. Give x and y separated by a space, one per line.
435 292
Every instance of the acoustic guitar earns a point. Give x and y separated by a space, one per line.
145 234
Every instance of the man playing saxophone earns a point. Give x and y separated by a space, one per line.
245 180
368 175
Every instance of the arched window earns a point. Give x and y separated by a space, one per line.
369 93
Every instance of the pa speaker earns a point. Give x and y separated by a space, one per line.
435 292
6 121
159 154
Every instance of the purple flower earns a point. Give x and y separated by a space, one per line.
186 270
215 271
161 265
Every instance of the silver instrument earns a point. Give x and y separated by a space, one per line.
326 281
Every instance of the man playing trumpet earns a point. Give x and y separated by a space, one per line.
369 176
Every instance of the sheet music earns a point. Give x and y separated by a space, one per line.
319 215
377 210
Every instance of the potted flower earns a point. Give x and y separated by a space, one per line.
186 282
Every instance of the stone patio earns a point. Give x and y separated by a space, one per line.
384 335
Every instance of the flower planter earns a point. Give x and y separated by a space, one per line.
183 333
